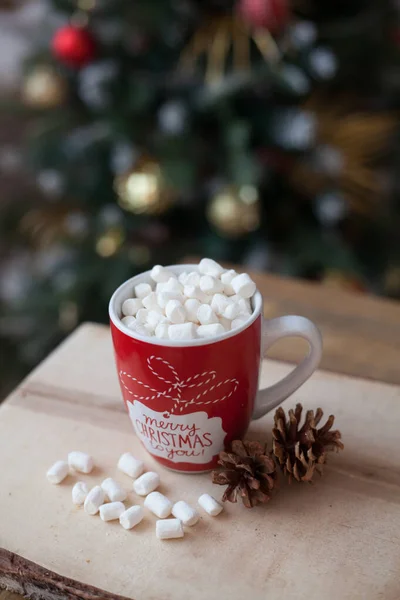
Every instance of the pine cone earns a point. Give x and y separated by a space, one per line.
249 471
301 451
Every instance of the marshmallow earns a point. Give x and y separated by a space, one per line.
150 302
142 290
165 296
210 505
175 312
192 291
130 465
232 311
210 330
146 483
169 529
128 322
241 320
155 317
226 324
207 266
141 329
210 285
161 331
181 332
192 306
244 304
183 278
141 316
79 493
193 278
131 517
185 513
243 285
113 490
94 500
111 511
206 315
226 279
131 306
160 274
173 285
80 461
219 303
57 472
158 504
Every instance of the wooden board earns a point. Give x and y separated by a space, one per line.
361 333
337 539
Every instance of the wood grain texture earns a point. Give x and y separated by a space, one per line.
337 539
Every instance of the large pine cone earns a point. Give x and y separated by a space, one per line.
249 471
300 451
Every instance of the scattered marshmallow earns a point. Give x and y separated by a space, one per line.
113 490
160 274
142 290
129 322
210 505
158 504
183 278
185 513
111 511
155 317
164 297
243 285
94 500
167 529
173 285
150 302
131 517
193 278
219 303
206 315
226 279
210 330
79 493
130 465
147 483
192 306
131 306
142 316
193 291
239 322
175 312
226 324
182 332
207 266
57 472
141 329
161 331
210 285
231 311
80 461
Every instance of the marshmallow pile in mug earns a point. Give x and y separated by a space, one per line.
196 304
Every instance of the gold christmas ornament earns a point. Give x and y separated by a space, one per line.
235 211
144 189
44 88
110 242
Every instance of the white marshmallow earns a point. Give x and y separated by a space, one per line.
192 291
192 306
183 278
226 279
210 330
193 278
226 324
155 317
158 504
130 465
219 303
146 483
175 312
140 329
160 274
80 461
206 315
207 266
185 513
131 517
161 331
210 505
128 322
131 306
181 332
243 285
57 472
113 490
79 492
142 290
173 285
169 529
164 297
244 304
94 500
142 315
210 285
149 329
111 511
150 302
232 311
241 320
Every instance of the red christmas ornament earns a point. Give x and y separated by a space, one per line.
73 46
265 14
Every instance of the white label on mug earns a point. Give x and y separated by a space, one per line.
193 438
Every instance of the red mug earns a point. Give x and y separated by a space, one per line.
187 400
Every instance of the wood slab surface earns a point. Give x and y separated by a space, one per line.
338 539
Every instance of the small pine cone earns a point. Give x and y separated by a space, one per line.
301 451
249 471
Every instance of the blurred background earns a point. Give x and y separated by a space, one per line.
135 132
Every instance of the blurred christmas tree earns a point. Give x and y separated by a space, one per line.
254 131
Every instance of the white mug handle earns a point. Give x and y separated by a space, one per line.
274 330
